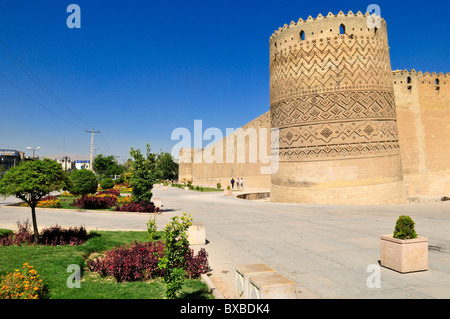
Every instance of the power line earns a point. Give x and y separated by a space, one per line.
19 63
36 80
36 101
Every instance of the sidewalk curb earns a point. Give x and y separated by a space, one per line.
212 288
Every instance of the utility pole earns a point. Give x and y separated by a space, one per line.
92 146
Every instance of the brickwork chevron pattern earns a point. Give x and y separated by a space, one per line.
333 98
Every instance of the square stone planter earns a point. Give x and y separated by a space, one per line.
243 275
197 234
228 192
273 286
157 202
404 255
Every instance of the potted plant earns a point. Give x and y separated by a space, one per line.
404 251
228 191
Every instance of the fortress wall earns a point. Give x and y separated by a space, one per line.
245 153
350 129
423 111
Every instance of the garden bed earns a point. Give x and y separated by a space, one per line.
51 263
102 201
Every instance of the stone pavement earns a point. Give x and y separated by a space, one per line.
325 249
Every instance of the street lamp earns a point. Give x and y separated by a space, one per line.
33 149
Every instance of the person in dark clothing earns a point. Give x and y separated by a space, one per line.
232 182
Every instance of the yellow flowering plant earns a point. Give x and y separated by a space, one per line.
124 200
25 284
51 203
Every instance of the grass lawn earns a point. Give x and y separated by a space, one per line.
51 264
200 189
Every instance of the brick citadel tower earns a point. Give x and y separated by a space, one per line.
344 124
331 96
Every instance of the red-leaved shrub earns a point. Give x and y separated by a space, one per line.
52 236
196 265
96 202
129 263
143 207
57 236
23 236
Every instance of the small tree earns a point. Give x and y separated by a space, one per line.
83 182
176 247
143 175
107 166
167 168
32 180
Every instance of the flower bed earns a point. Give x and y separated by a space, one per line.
112 191
139 261
124 200
48 201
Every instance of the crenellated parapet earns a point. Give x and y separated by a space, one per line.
427 81
326 27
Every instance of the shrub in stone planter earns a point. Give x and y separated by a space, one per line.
404 228
404 251
228 191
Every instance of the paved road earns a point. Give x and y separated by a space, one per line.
325 249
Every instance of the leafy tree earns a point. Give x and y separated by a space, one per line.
107 165
143 175
32 180
167 168
83 182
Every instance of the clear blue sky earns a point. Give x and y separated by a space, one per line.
136 70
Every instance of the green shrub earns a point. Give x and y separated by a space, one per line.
107 183
151 228
404 228
219 186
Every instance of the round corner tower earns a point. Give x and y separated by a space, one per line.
332 101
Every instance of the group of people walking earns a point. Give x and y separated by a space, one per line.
239 182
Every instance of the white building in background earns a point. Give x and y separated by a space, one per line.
67 164
80 164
